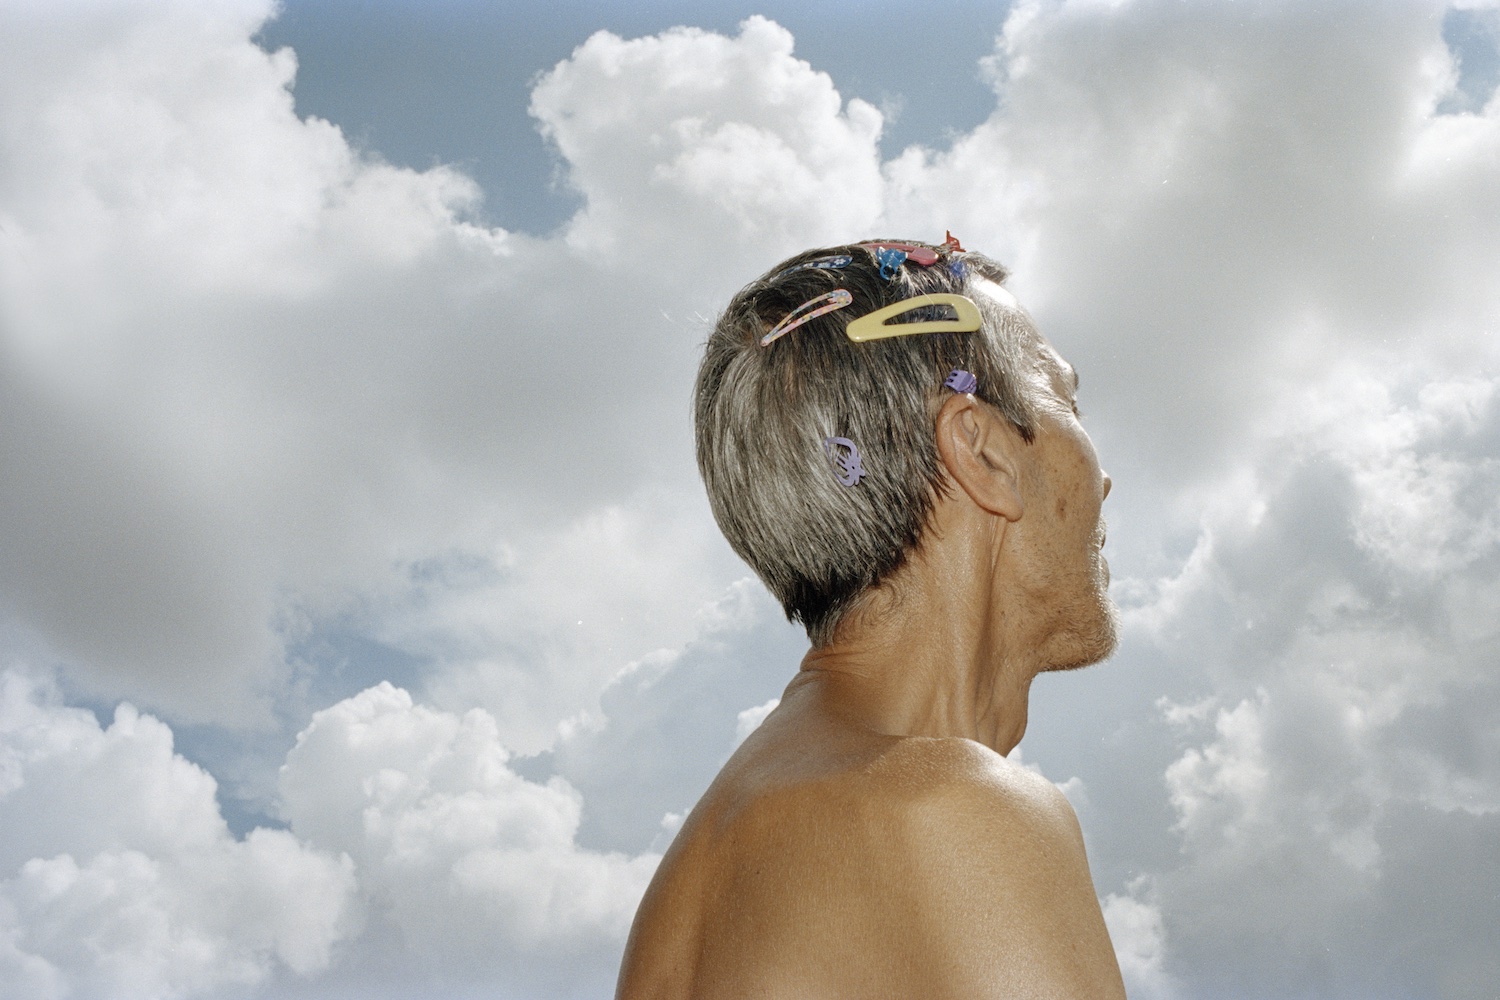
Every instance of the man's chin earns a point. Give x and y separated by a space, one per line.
1092 639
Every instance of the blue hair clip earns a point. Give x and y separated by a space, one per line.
890 260
834 263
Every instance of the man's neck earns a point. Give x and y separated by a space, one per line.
936 655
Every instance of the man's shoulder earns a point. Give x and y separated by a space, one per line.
895 865
952 767
971 813
945 783
936 861
913 805
988 864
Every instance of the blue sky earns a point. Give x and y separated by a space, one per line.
363 629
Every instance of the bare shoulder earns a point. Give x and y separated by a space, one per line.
995 873
950 769
911 866
950 870
953 790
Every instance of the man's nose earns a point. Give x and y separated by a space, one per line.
1108 482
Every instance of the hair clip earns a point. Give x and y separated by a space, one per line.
915 252
961 381
811 309
844 454
873 326
833 263
951 244
890 260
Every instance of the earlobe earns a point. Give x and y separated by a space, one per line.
980 451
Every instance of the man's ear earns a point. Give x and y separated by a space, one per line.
981 452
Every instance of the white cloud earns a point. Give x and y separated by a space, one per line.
473 865
535 631
749 720
169 231
252 374
1348 637
1171 206
118 877
668 721
250 370
1230 774
1135 928
1306 520
412 846
679 138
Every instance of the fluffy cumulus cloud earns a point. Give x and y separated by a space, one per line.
1343 739
532 630
1243 193
118 876
474 866
172 236
280 422
683 137
408 831
247 367
1269 281
415 851
668 721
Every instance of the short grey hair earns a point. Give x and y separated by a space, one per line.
761 416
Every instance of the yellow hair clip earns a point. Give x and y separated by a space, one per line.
873 326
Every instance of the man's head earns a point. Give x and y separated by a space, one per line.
818 452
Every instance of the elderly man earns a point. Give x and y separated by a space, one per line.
895 450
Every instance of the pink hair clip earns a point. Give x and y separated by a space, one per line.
811 309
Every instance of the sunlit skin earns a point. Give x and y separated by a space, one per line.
870 839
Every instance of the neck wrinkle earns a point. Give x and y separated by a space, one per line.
934 657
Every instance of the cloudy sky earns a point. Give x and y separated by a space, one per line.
363 628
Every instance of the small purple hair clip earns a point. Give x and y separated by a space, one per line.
844 456
961 381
